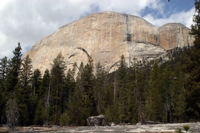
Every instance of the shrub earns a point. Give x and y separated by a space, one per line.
186 127
178 130
64 119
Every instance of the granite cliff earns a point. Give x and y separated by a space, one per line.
106 36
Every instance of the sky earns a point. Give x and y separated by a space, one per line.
28 21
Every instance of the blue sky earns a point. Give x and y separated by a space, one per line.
28 21
173 6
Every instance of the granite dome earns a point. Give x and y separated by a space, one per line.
105 37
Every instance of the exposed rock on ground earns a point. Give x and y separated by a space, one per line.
106 36
150 128
96 120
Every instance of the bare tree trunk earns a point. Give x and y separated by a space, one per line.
140 111
56 108
12 113
115 88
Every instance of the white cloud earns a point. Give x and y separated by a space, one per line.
134 7
28 21
184 17
3 4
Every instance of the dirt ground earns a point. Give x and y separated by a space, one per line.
154 128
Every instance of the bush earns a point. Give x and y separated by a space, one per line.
64 119
186 127
178 130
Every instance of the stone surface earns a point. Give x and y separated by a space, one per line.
106 36
96 120
149 128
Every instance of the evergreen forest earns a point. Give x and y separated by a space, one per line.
158 90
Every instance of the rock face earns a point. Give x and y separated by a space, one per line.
106 36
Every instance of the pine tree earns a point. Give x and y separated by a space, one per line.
132 93
3 68
167 77
121 91
76 104
25 72
45 86
13 68
140 88
99 95
37 97
177 95
103 92
70 82
24 94
192 85
154 103
82 103
57 84
36 83
85 82
67 118
11 77
87 78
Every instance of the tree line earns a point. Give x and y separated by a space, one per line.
145 91
160 91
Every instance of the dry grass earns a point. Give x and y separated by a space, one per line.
3 129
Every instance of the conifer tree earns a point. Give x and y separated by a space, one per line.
87 78
140 88
109 109
36 83
99 92
3 68
67 118
76 105
132 93
103 92
38 97
154 104
85 84
12 73
177 95
45 86
57 84
122 92
70 82
24 93
192 85
11 77
25 72
167 77
82 103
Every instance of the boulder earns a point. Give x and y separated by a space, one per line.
96 120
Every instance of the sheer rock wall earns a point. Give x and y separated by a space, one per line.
105 37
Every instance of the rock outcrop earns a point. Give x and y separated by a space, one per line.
106 36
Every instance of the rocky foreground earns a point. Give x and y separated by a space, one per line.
154 128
